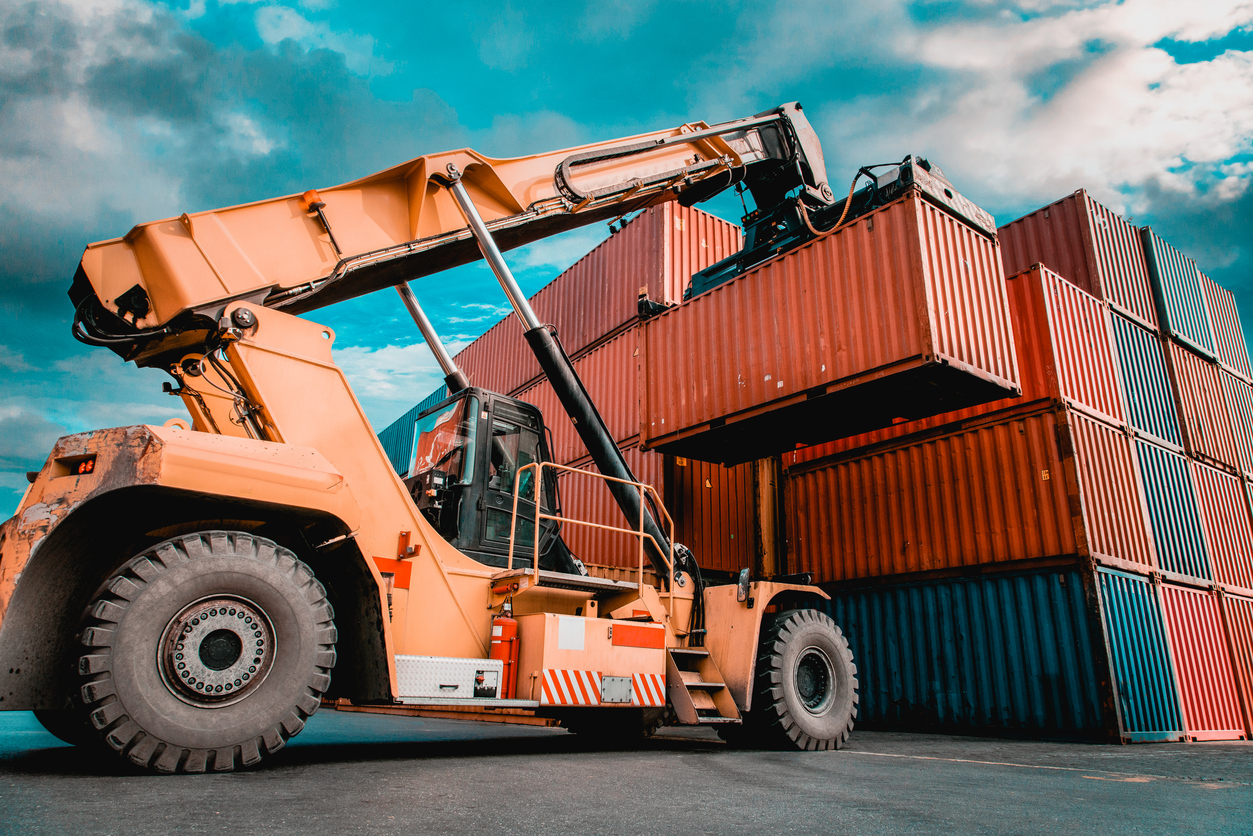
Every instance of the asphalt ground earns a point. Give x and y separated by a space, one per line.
353 773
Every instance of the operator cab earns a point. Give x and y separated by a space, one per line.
467 452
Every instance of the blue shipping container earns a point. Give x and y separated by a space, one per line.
1144 681
1174 514
1177 289
397 437
1014 654
1146 385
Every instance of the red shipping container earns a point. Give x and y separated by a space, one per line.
1203 665
1228 525
1238 619
1089 245
1048 484
1206 424
659 250
1239 398
900 313
1065 354
611 376
1229 344
712 508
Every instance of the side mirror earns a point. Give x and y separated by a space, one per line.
741 587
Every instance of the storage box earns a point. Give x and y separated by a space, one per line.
900 315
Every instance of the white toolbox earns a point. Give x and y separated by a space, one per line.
443 677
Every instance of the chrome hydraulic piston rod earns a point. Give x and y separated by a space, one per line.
559 370
453 376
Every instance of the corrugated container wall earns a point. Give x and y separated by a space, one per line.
1229 344
1238 620
1048 484
611 376
1139 654
397 437
1087 244
588 499
1177 288
1211 704
838 337
659 250
1174 516
1065 354
1151 410
1239 398
1015 654
1207 432
1224 504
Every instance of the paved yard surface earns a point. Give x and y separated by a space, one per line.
352 773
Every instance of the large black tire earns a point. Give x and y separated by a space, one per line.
206 652
806 684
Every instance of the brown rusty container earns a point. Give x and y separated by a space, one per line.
1088 244
1038 485
1065 355
1237 613
901 314
658 250
610 374
1229 344
712 508
1203 663
1239 398
1224 506
1198 387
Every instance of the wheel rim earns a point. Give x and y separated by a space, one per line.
815 680
216 651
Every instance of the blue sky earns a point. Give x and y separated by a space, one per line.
114 112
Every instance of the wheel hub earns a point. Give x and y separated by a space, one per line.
814 680
216 651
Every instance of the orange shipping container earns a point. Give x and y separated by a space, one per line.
1087 244
1224 505
1065 354
1238 620
1203 665
659 250
1047 484
902 313
1202 403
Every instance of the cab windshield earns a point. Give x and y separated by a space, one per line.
444 440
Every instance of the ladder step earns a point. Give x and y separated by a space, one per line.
689 651
580 583
706 686
717 721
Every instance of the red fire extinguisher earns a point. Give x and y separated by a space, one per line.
505 647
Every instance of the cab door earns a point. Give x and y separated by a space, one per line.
514 440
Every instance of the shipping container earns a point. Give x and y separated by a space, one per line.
1145 689
1052 483
1174 515
611 376
1228 527
1238 396
1087 244
1229 344
1206 422
1151 409
1018 654
712 508
1237 613
900 314
397 437
658 250
1177 289
1198 643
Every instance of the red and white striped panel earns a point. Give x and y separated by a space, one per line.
562 687
649 689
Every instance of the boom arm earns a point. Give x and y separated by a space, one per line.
154 293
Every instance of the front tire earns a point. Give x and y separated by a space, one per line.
206 652
806 694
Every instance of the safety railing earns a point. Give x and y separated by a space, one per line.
640 533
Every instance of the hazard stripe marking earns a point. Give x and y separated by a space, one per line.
570 687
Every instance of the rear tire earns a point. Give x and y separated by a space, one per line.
806 685
206 652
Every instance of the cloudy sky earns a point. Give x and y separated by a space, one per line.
114 112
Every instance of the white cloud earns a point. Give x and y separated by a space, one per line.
278 23
391 379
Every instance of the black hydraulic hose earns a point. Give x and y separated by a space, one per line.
605 453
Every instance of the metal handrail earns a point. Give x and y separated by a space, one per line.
538 467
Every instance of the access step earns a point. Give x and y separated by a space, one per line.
560 580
